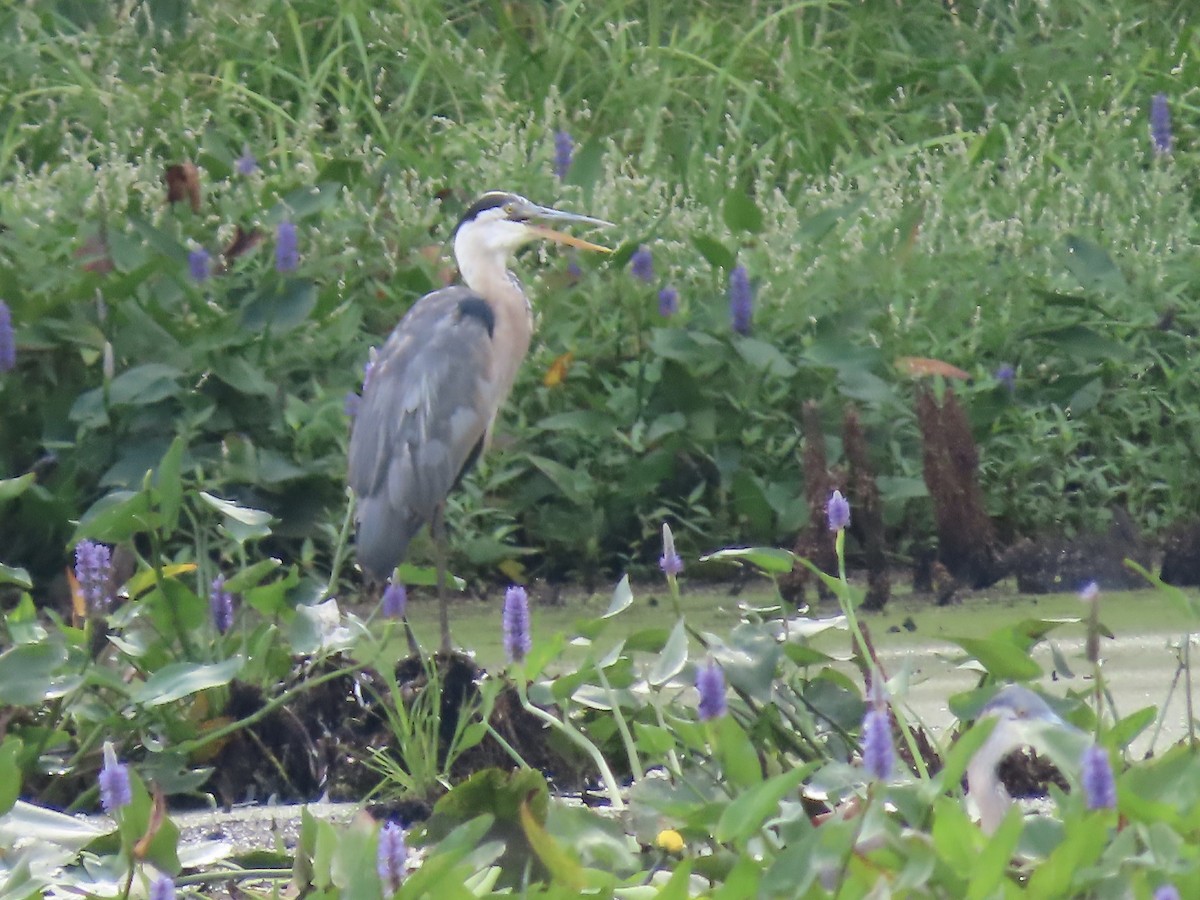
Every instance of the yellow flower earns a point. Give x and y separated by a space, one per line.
670 840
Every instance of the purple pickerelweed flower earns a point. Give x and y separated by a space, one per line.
287 252
1166 892
564 152
198 264
395 600
1007 376
710 682
390 858
574 269
838 512
878 754
668 302
162 889
670 562
1160 124
517 639
220 601
93 571
1096 776
641 264
741 300
246 163
8 340
115 790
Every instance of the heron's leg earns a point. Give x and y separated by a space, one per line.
438 527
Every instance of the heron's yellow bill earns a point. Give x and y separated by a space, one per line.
570 240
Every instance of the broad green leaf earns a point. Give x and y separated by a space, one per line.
1091 264
750 809
990 866
770 560
1125 731
564 868
741 212
116 517
11 488
622 598
145 384
17 576
1004 660
243 514
177 680
29 674
765 357
716 253
738 755
673 657
280 307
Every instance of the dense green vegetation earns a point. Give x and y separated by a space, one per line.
210 212
978 186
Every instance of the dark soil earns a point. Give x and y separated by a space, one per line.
321 744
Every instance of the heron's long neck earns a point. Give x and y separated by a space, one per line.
487 275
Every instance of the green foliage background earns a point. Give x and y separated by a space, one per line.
971 182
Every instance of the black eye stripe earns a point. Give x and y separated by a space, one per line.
490 200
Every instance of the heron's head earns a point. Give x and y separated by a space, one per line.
1019 704
499 223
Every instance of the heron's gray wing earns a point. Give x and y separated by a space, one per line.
422 417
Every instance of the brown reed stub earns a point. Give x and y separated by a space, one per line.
967 544
867 511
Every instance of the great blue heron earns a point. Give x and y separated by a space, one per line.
429 405
1020 713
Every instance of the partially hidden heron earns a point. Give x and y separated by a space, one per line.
1021 714
431 400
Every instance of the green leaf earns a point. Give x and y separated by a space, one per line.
15 575
765 357
750 809
742 213
169 481
771 560
1091 264
1125 731
280 307
29 674
145 384
177 680
564 868
739 756
714 251
1004 660
10 773
989 867
244 514
11 488
671 660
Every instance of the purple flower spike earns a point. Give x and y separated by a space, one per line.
710 682
246 163
198 264
1160 124
287 252
1166 892
741 300
395 600
668 302
220 601
564 151
115 790
876 739
1095 773
390 859
670 562
1007 376
641 264
8 340
93 571
162 889
838 511
517 639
